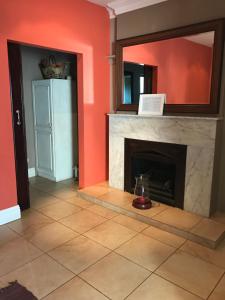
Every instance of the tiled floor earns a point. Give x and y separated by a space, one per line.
68 248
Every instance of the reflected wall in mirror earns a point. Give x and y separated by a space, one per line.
138 79
183 63
181 68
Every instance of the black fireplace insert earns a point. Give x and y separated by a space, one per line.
163 166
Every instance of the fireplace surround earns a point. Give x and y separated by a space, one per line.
163 166
198 134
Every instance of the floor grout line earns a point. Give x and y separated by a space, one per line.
154 272
216 285
94 287
173 283
57 288
201 258
177 250
21 266
138 286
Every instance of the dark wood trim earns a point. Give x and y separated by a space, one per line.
154 80
211 108
15 70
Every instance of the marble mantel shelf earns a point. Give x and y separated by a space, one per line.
164 117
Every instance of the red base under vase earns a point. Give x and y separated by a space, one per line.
142 203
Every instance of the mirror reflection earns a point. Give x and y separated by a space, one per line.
179 67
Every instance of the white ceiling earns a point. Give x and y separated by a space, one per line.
116 7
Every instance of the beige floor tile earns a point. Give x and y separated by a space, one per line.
219 217
163 236
78 254
35 193
36 180
178 218
31 221
115 276
118 198
191 273
64 193
6 235
102 211
76 289
49 186
41 276
82 221
59 210
219 292
15 254
42 199
110 234
51 236
214 256
156 288
70 182
95 190
146 251
130 223
79 202
209 229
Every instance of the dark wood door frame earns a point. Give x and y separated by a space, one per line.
18 116
19 127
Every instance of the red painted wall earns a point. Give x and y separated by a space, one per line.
184 68
71 25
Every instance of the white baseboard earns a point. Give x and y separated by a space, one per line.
31 172
10 214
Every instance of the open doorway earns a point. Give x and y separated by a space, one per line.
45 116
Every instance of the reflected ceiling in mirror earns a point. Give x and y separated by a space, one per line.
179 67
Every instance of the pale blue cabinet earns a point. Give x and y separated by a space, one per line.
53 127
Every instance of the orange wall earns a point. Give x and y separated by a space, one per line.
71 25
184 68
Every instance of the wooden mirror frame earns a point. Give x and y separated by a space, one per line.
213 107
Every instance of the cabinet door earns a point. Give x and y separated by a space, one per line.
42 105
44 151
43 129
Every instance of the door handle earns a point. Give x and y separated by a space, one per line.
18 122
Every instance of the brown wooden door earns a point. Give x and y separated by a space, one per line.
15 69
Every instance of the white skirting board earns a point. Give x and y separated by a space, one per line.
10 214
31 172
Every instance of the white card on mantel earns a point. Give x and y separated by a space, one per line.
151 104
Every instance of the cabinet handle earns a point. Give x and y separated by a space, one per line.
18 118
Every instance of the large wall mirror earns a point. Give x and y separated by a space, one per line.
184 63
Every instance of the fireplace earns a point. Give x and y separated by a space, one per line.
163 166
198 134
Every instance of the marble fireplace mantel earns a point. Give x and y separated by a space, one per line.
198 133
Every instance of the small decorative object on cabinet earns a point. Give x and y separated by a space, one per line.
52 69
53 127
